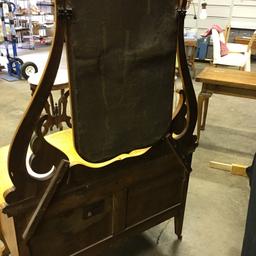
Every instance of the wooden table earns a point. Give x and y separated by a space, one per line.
56 111
222 81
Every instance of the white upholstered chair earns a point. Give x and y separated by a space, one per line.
238 56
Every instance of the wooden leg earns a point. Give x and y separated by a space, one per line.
199 114
193 61
203 102
178 224
194 71
205 105
178 220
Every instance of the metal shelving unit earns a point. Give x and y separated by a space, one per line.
23 24
33 20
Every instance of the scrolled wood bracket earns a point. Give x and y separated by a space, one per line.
45 157
185 116
25 186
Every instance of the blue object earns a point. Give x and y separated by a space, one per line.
202 48
14 63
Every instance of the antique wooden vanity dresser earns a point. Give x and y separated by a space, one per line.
124 166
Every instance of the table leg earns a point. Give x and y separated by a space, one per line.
199 114
203 102
206 104
193 61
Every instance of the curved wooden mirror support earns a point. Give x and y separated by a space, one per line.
185 116
19 146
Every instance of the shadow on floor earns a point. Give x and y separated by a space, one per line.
136 245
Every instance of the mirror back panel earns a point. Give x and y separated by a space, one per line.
121 56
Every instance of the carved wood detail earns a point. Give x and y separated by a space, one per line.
24 185
185 116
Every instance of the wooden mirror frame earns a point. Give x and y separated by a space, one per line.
181 132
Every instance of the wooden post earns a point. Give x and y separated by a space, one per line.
235 169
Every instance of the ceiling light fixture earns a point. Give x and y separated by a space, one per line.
203 13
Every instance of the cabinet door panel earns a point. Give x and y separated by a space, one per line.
151 197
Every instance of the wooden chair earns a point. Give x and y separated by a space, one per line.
241 44
124 167
234 47
248 42
227 33
252 44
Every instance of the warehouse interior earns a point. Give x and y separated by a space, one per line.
216 212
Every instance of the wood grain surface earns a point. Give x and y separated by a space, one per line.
228 77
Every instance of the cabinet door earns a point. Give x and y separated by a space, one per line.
152 197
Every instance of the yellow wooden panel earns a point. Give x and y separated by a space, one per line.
64 141
235 169
5 181
238 169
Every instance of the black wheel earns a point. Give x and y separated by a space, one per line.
20 61
15 64
13 7
27 69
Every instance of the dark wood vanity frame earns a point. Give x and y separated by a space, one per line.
80 211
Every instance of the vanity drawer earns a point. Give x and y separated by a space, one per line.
88 224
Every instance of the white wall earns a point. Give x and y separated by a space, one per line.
238 13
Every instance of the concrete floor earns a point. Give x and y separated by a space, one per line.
217 201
